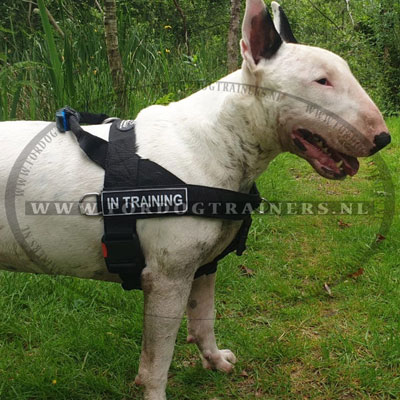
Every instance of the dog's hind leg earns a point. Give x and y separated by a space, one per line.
165 299
200 311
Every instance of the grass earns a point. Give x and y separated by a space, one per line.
64 338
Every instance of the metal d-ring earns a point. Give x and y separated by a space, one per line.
263 200
81 205
109 120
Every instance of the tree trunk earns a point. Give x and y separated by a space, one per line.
233 36
185 29
114 56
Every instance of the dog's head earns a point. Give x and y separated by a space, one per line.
322 113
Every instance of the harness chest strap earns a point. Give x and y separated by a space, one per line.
136 188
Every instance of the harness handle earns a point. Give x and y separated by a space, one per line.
96 149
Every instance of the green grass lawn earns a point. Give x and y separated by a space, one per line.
64 338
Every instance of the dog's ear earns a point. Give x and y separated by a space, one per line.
281 23
260 38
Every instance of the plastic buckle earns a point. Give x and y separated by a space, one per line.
61 121
122 255
62 118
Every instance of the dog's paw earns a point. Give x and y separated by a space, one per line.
138 381
221 361
191 339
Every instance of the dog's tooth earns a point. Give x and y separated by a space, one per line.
327 170
300 145
339 163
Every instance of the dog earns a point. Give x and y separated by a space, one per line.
287 97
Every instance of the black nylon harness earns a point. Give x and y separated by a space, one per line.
137 188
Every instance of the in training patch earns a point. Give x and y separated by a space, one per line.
144 202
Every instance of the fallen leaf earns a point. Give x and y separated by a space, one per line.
244 374
343 224
380 238
357 273
246 271
328 289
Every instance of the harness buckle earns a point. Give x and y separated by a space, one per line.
84 207
61 121
122 255
62 116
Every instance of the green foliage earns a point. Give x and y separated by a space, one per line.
56 72
164 100
74 70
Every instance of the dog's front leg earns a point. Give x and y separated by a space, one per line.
200 313
165 299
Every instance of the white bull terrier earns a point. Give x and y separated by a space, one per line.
286 97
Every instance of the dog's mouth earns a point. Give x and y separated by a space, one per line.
328 162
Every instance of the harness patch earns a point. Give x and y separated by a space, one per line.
144 202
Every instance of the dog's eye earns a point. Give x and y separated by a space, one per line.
324 82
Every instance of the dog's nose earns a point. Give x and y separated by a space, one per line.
381 141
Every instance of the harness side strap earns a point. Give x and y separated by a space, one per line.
217 202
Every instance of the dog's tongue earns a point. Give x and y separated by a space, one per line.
350 164
324 159
317 154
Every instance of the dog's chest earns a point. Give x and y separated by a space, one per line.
175 243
